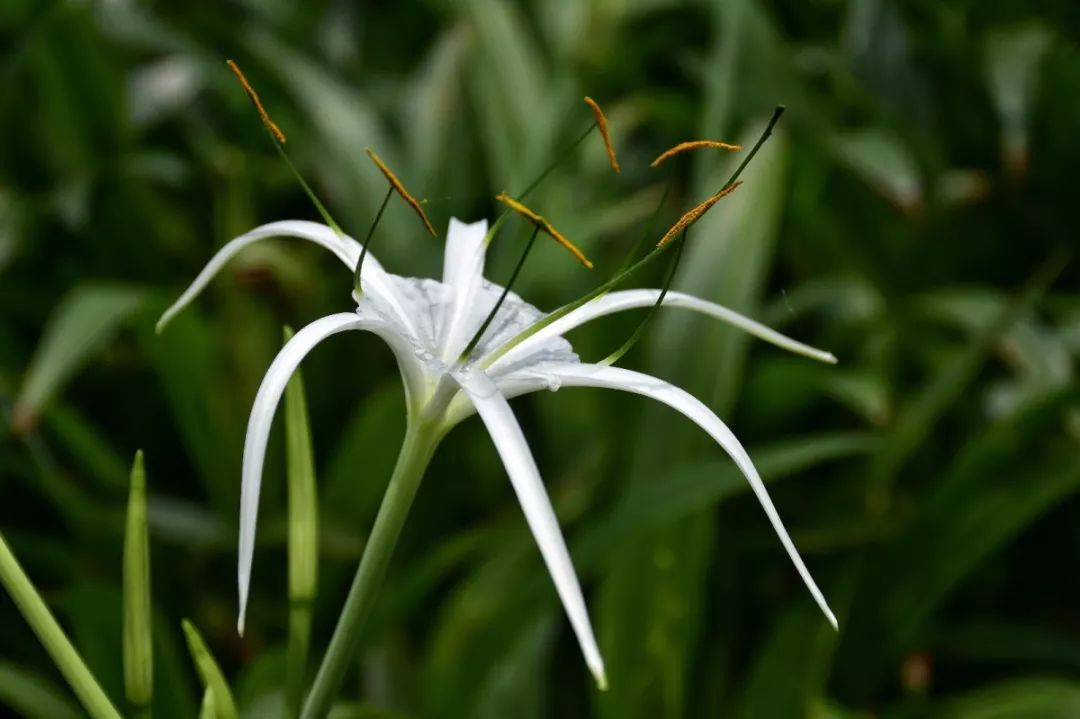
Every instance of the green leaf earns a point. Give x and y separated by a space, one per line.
364 457
188 361
86 444
916 421
138 637
1012 60
32 696
792 667
884 163
81 324
1045 698
52 637
697 487
218 696
993 492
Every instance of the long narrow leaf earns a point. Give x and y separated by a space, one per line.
48 631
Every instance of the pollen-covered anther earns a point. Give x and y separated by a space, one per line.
601 125
693 145
544 226
695 214
271 126
400 189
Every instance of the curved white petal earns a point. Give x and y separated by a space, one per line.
510 443
631 299
463 271
590 375
262 417
344 247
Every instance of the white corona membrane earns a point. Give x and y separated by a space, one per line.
427 324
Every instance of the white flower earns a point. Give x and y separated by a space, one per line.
427 324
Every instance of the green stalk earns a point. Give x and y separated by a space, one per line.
421 438
138 640
367 240
52 637
303 546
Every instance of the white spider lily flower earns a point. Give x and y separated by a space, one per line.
427 324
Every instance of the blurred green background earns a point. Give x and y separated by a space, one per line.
913 215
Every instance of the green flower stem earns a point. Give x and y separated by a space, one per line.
303 538
421 438
56 643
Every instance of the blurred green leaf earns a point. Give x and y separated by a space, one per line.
80 325
87 446
792 667
883 162
983 501
361 463
916 421
33 696
1013 57
1018 699
695 488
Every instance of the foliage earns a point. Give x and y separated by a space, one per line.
911 216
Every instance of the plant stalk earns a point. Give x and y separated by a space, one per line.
421 438
52 637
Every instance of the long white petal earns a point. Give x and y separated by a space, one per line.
463 271
262 417
513 449
631 299
588 375
345 248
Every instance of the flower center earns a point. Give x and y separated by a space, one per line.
429 304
